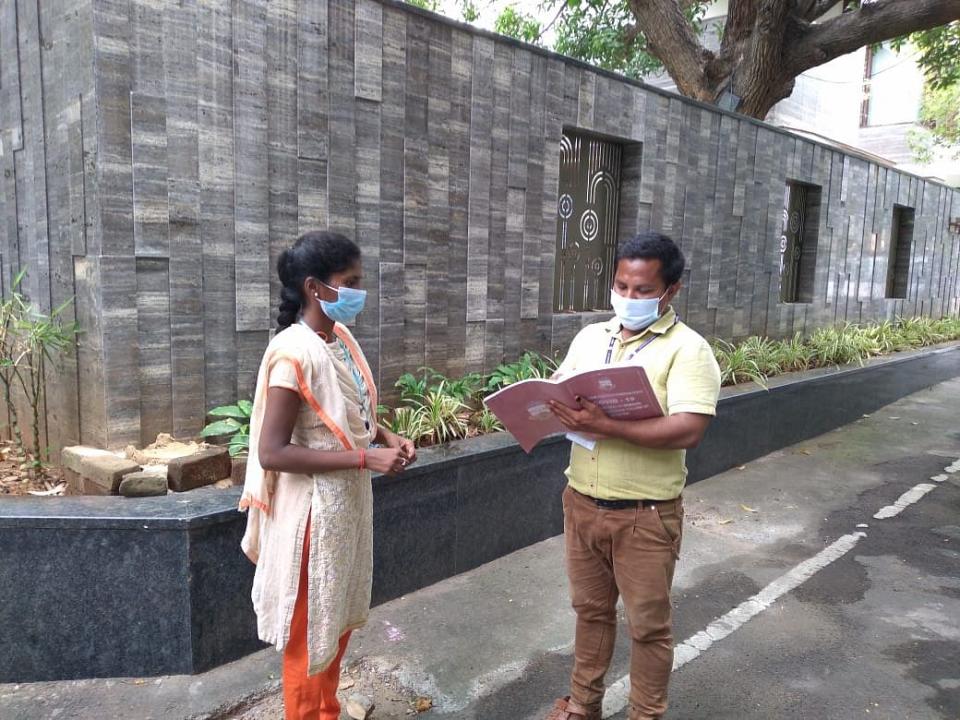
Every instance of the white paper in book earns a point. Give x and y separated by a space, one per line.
622 391
582 440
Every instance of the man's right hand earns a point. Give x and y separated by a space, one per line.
388 461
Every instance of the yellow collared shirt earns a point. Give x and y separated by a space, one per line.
686 379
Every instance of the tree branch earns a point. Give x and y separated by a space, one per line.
810 10
546 28
741 15
671 39
872 23
630 36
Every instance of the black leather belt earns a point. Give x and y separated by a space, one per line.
622 504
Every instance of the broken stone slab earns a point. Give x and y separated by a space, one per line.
163 450
72 457
198 470
359 707
239 470
105 473
74 482
143 484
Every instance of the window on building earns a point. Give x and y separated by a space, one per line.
892 87
798 242
901 248
587 210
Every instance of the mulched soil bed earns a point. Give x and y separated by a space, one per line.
17 479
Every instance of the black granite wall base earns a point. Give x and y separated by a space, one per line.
753 423
109 586
465 509
106 586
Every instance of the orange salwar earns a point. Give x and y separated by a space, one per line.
308 697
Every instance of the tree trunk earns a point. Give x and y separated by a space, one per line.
669 35
758 76
768 43
758 98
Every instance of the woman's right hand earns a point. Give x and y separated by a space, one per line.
388 461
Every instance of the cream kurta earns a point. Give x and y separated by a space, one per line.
339 504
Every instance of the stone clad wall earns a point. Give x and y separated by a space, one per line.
159 155
49 199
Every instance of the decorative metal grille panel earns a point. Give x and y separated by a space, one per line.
587 208
901 249
791 241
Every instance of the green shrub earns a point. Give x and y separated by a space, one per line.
757 359
530 366
793 355
922 331
485 422
435 409
232 420
444 416
413 386
31 343
844 345
763 353
408 422
736 364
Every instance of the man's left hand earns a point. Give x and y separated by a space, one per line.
588 419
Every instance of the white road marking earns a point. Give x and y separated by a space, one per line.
618 693
905 500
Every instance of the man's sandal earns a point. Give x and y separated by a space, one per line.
567 709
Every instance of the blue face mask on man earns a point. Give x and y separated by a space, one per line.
633 314
348 305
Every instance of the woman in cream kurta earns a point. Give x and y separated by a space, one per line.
307 489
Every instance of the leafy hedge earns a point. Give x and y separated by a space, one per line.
435 409
757 359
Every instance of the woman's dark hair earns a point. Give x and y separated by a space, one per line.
317 254
654 246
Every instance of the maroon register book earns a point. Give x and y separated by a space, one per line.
623 391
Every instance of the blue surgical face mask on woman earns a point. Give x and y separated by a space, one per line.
348 305
635 315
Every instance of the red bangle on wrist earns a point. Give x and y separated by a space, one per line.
363 460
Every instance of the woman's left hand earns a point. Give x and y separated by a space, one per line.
406 447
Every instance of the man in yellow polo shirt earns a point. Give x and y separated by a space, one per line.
623 511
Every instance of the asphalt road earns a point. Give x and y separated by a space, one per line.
873 634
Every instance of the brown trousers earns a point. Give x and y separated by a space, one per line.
629 553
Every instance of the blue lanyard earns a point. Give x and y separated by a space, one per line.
358 379
356 374
613 342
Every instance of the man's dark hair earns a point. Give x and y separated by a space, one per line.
654 246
